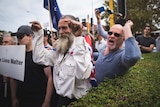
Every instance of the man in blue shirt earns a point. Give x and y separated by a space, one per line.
115 60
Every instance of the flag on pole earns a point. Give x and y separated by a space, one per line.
55 13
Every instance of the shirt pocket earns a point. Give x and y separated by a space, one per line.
69 67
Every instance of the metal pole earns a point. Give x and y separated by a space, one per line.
111 15
92 26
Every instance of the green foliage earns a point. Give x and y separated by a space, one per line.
141 12
138 88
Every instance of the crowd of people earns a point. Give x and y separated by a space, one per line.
62 67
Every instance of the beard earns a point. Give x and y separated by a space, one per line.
64 43
114 47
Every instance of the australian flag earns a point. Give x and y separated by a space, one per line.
54 11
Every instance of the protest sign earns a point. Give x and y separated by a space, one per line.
12 61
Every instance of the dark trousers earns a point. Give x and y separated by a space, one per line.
5 100
62 101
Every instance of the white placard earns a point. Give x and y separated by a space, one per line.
12 61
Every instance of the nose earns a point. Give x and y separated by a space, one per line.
61 31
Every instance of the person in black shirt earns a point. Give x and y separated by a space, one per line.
37 88
146 42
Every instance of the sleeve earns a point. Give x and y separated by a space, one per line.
132 52
101 31
138 39
82 57
153 41
40 54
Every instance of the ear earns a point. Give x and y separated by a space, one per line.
123 38
30 36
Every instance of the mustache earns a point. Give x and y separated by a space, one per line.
66 35
64 42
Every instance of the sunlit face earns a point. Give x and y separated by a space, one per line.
65 36
115 38
7 40
63 27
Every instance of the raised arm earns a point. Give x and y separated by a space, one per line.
100 29
40 54
132 51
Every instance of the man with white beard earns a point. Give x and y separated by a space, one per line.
64 42
71 59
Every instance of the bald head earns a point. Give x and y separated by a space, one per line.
117 28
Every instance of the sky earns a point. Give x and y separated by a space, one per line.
14 13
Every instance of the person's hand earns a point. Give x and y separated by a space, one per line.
36 26
127 29
46 104
75 26
5 78
97 13
15 102
129 22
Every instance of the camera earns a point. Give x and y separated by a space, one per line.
47 33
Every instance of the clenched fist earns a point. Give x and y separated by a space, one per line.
36 26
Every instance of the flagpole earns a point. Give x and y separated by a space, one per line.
50 18
88 29
92 26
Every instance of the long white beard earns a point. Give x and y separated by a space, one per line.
64 43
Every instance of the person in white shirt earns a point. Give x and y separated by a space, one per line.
100 44
71 60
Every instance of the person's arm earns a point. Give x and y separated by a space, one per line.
49 89
40 54
13 88
100 29
148 49
132 51
127 29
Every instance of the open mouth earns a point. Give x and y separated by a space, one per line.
111 41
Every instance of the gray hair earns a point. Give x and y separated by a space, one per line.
13 38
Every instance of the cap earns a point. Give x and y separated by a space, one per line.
24 29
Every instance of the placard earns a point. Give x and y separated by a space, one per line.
12 61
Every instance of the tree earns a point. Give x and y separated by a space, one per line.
143 12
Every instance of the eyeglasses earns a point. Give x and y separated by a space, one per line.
20 36
115 34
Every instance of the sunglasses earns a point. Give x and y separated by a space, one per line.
20 36
115 34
